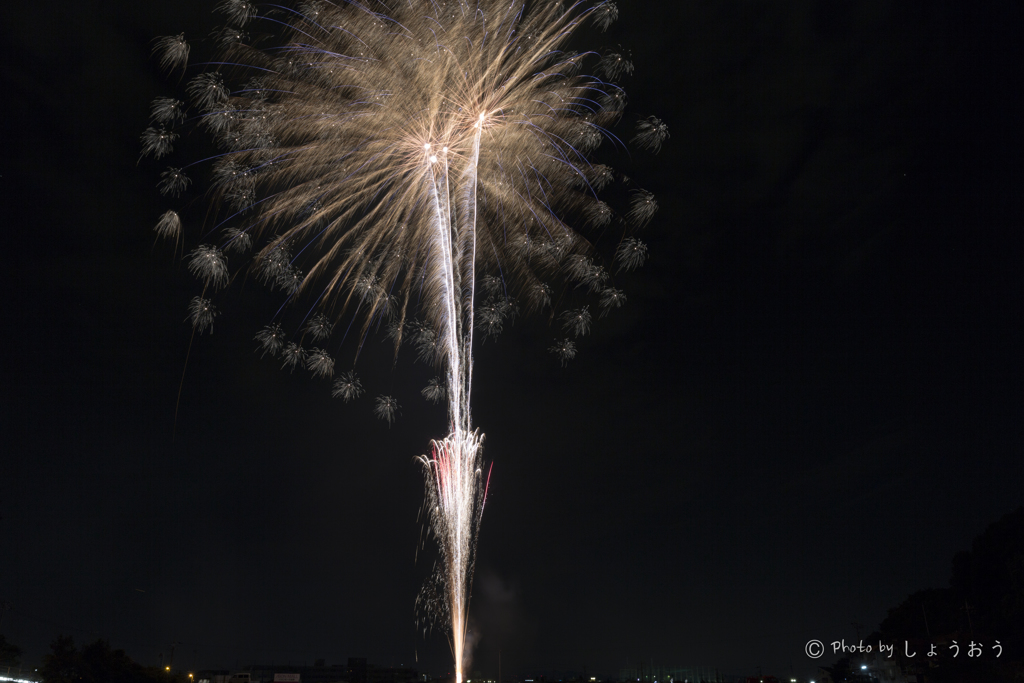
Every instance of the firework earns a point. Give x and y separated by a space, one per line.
169 226
271 339
434 391
386 159
201 313
347 387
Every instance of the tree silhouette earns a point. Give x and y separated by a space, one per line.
10 654
97 662
984 603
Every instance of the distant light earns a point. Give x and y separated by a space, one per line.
167 668
863 666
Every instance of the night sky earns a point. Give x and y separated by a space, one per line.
810 402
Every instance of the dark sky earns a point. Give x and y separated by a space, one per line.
811 401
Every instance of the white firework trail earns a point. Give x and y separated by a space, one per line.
387 156
456 490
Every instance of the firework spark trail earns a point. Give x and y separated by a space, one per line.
456 496
392 152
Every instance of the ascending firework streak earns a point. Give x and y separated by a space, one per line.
401 154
